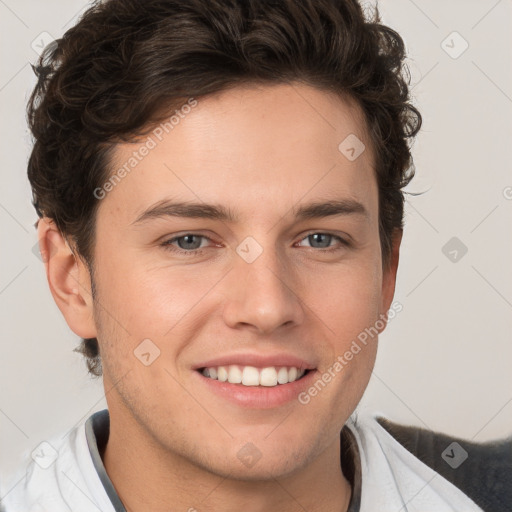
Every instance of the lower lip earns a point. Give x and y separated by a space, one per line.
259 397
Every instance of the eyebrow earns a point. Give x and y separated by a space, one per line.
315 210
330 209
184 209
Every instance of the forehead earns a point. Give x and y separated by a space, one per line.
247 146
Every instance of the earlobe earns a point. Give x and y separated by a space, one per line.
68 278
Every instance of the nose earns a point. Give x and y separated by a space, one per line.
262 295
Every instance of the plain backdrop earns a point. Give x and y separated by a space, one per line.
444 361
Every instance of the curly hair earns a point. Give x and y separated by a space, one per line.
127 63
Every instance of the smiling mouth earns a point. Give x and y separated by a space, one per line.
269 376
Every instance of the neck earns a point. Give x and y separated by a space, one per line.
149 477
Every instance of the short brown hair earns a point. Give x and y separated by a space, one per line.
129 61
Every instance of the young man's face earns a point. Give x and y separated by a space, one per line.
246 285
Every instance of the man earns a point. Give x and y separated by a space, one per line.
220 192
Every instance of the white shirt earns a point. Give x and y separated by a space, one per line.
392 478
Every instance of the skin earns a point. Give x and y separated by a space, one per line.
262 152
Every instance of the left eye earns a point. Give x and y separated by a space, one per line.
321 240
188 242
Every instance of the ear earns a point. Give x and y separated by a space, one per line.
389 273
69 279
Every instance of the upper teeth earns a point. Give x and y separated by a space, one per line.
252 376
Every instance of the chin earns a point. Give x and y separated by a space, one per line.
262 459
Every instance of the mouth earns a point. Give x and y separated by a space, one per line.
256 380
252 376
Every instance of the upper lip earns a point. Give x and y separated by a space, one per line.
258 360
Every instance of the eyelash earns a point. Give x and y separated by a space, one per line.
168 244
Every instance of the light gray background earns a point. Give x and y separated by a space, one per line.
444 362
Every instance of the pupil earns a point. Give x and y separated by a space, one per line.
189 242
320 240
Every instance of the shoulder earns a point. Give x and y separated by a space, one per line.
36 486
482 471
57 473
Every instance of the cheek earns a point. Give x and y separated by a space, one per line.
346 299
146 309
150 300
347 302
349 307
